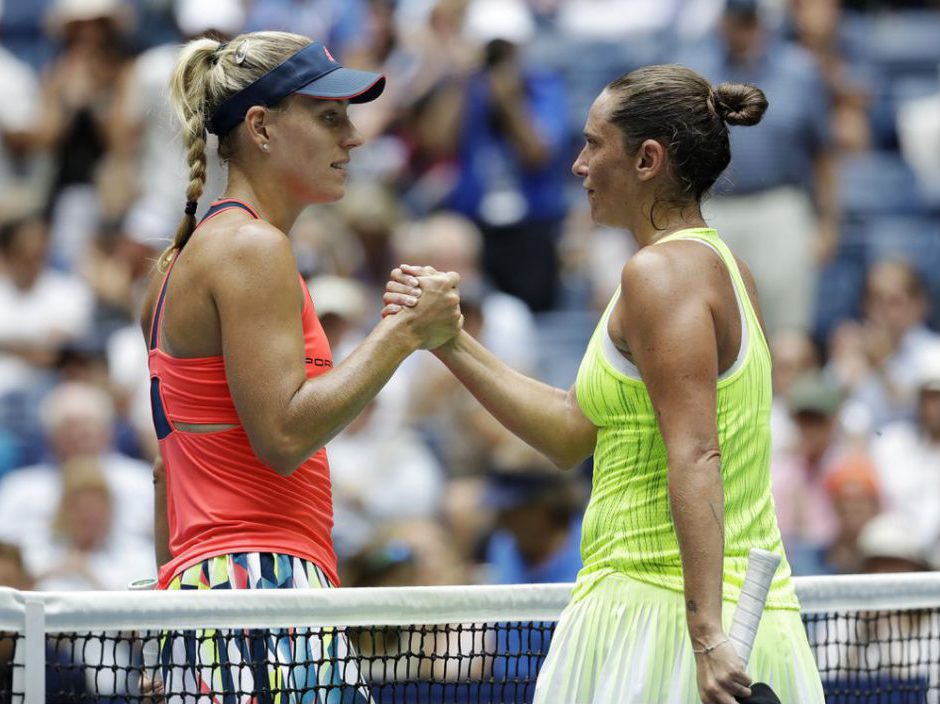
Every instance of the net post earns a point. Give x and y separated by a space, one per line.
35 637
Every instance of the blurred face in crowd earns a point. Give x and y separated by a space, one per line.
793 356
854 505
893 300
79 432
531 525
816 21
928 411
743 34
86 517
604 166
12 573
97 33
25 254
436 560
817 431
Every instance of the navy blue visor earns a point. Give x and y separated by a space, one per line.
311 71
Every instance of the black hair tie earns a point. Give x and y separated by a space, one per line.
218 53
190 207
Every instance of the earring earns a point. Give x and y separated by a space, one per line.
264 146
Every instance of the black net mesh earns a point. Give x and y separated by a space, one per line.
9 669
863 657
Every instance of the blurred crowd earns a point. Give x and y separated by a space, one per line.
833 200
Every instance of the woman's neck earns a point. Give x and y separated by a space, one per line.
648 229
267 198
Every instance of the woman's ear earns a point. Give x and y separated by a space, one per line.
651 159
257 124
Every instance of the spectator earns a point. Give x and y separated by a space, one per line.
816 24
371 212
465 436
614 19
21 172
907 455
146 135
449 242
380 474
411 553
344 308
805 513
877 359
794 355
77 105
776 207
918 125
65 680
505 123
41 309
538 526
82 550
853 489
78 421
889 543
333 22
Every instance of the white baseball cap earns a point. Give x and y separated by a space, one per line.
928 368
487 20
195 17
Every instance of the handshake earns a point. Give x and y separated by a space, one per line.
426 302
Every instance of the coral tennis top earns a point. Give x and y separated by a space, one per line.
220 497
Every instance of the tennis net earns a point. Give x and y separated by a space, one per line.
876 639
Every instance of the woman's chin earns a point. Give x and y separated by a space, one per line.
328 196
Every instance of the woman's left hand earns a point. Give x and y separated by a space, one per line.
721 675
404 288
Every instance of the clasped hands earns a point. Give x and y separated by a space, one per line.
429 299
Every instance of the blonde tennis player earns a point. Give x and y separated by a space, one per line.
244 392
673 400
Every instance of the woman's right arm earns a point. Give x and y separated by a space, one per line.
547 418
287 416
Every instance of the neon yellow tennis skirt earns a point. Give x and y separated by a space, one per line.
626 642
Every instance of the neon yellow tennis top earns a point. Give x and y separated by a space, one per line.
628 526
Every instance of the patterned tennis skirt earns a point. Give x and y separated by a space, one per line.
253 666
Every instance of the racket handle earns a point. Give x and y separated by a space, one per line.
761 567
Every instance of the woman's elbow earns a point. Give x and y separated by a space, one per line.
565 460
280 455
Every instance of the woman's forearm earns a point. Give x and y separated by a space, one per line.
545 417
696 498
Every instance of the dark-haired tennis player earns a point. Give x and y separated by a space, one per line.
673 400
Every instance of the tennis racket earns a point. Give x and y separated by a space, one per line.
761 566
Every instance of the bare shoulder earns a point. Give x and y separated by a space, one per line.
658 275
748 277
252 254
750 284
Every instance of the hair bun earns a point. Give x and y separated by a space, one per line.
740 103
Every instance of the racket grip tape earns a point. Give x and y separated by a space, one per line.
761 567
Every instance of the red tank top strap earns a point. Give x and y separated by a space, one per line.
227 204
158 307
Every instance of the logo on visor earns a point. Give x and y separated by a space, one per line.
329 55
